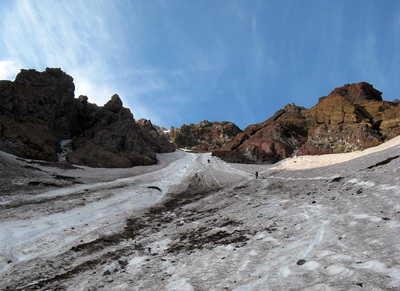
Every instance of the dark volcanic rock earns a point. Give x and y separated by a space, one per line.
205 136
38 110
352 117
114 140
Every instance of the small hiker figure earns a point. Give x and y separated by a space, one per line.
208 161
256 174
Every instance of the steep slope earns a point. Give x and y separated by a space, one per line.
205 136
352 117
38 112
307 223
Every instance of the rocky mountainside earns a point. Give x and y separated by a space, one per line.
269 141
352 117
38 113
205 136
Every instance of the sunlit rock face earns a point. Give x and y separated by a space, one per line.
205 136
269 141
358 93
38 111
352 117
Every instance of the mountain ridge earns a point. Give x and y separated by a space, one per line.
39 113
352 117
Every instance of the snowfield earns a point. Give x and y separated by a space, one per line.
307 223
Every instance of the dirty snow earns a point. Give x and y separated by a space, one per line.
327 222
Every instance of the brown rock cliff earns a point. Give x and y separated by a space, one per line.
269 141
352 117
38 111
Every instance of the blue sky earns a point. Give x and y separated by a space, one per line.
179 62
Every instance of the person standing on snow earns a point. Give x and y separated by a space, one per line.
256 174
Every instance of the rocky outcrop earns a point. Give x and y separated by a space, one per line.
38 111
358 93
269 141
352 117
114 140
205 136
155 136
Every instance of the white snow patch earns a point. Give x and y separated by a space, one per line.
374 265
366 216
387 187
284 272
136 261
318 239
179 284
361 183
312 265
66 148
259 236
338 269
313 162
159 246
253 253
394 273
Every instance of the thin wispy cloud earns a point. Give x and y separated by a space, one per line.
258 50
48 35
366 57
9 69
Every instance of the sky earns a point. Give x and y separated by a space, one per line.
178 62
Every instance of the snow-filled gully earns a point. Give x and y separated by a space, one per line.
193 225
130 194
